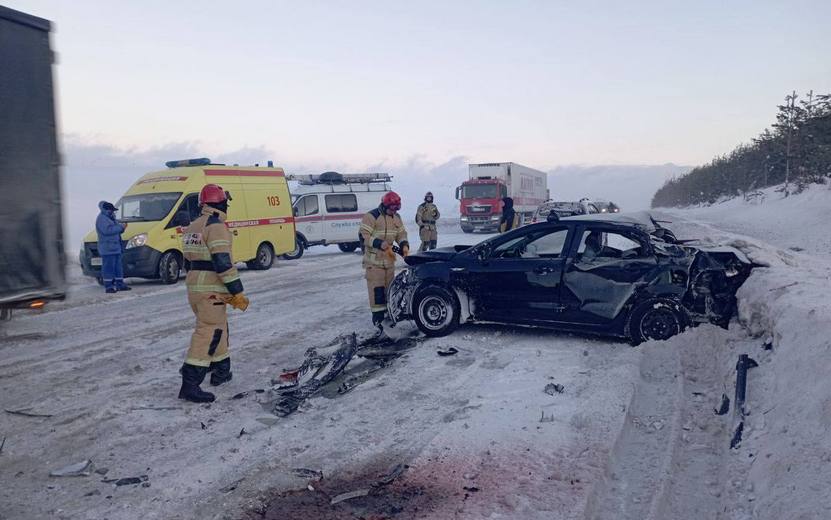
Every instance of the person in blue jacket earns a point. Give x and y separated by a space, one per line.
109 247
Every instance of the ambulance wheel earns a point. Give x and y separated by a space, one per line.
264 259
299 246
349 247
169 267
436 311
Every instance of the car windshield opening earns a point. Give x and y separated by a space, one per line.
147 207
479 191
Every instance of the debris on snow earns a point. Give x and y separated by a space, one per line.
24 412
129 481
391 476
554 388
79 469
447 352
724 407
350 495
310 474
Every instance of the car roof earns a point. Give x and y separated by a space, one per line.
642 219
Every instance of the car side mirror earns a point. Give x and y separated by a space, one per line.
457 193
294 210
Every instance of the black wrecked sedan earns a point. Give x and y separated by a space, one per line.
619 275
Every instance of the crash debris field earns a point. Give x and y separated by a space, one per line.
489 422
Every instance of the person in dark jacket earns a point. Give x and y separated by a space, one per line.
109 247
510 220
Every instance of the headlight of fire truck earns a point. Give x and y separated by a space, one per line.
137 241
464 219
495 217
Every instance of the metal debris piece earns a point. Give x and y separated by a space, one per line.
391 476
724 407
24 412
349 496
447 352
203 426
2 444
240 395
130 481
232 486
79 469
472 489
554 388
241 433
310 474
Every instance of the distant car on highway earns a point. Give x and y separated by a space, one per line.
564 209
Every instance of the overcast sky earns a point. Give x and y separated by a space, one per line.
421 88
540 83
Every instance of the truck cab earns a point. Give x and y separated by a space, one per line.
481 204
328 208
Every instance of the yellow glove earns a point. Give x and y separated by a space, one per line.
238 301
390 253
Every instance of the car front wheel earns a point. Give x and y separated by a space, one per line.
264 259
656 319
436 311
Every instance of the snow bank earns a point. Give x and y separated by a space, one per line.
780 469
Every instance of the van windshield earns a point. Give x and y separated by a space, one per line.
148 207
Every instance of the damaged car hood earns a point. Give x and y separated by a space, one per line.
435 255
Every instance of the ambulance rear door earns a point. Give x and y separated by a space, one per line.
308 219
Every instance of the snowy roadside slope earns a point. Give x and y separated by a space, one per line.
780 469
800 221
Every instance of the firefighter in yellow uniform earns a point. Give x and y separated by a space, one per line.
212 282
426 217
380 229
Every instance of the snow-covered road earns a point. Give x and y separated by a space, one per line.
105 369
632 437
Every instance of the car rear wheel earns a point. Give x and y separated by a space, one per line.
299 246
169 268
348 247
657 319
264 259
436 311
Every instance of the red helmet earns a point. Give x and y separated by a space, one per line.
391 201
212 194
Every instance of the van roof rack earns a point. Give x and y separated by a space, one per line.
340 178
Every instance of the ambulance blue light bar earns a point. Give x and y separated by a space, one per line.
203 161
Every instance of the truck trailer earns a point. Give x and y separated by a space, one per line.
32 253
480 197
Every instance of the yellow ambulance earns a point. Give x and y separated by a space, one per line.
161 204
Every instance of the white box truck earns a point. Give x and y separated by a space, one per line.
480 197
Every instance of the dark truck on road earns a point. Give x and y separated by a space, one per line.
32 254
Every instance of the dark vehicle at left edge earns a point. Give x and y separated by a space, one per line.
598 274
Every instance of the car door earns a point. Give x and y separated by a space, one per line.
308 220
519 280
599 280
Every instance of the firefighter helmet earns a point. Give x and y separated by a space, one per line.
391 201
212 194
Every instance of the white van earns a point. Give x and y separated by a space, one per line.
328 208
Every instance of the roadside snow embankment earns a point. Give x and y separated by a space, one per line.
780 469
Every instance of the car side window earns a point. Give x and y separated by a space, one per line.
541 244
341 203
603 244
307 206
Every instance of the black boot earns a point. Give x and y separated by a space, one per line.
221 372
192 377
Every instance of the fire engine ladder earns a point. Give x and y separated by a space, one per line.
340 178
